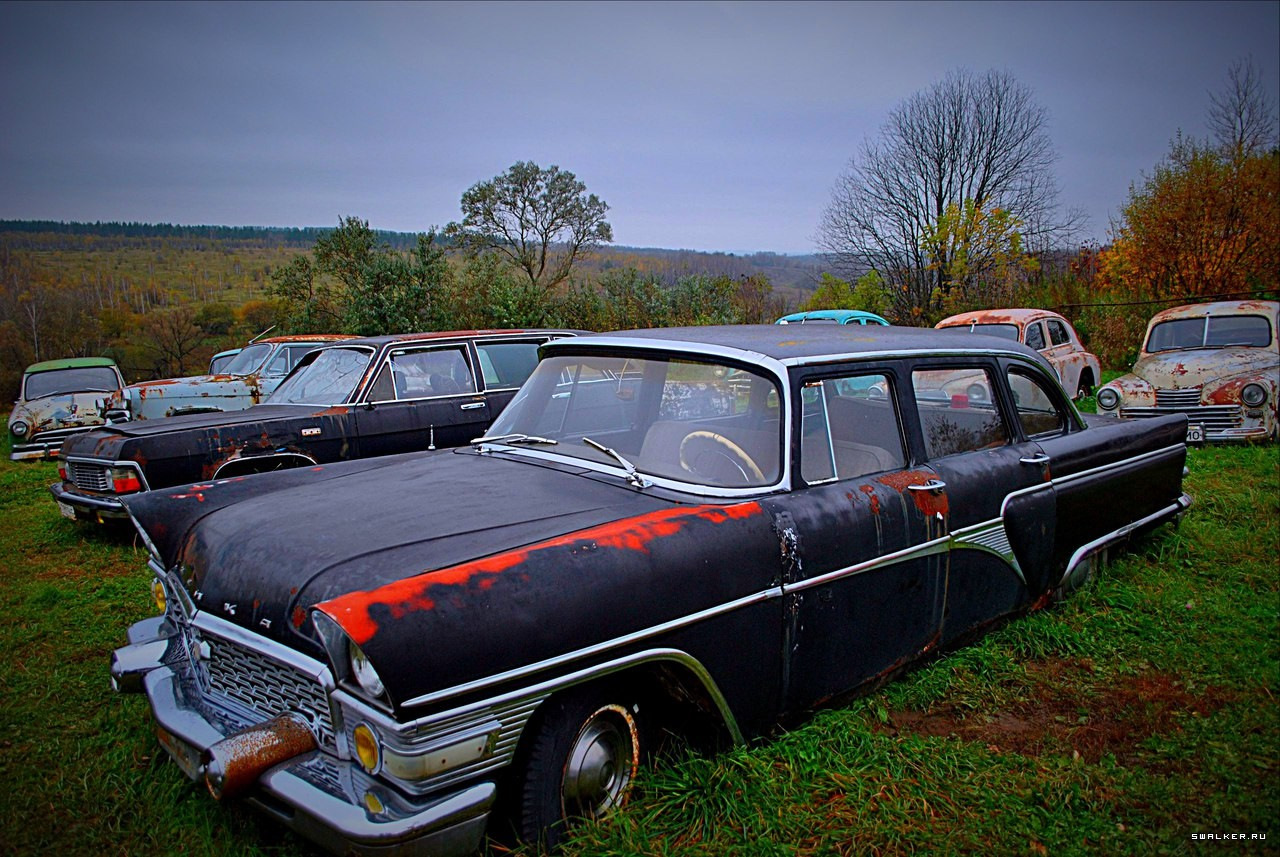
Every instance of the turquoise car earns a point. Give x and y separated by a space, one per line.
833 316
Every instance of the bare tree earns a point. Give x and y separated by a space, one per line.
1241 116
968 140
172 336
538 220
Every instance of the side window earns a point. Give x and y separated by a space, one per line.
849 428
424 374
957 413
1036 409
1058 332
1035 336
507 364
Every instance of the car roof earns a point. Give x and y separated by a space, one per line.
796 345
70 363
428 336
840 315
1018 315
305 337
1217 308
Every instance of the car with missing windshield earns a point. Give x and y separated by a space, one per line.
247 379
1218 363
1046 332
58 399
695 531
355 399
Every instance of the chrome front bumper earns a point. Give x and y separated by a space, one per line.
328 800
88 506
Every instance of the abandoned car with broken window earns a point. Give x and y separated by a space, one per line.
356 399
1218 363
246 379
57 399
699 528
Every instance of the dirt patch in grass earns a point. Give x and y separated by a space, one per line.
1069 712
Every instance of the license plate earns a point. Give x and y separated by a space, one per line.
67 511
187 757
1195 434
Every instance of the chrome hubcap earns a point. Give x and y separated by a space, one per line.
602 763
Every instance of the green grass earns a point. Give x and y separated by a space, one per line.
1138 713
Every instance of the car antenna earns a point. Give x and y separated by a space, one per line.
260 335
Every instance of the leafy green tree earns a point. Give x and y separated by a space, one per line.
539 220
868 294
354 283
980 255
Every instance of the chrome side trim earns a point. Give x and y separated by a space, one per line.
990 537
595 649
1174 509
929 548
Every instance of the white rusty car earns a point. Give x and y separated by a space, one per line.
1046 332
1218 363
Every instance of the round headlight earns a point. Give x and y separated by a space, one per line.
1253 395
977 393
1108 398
363 672
19 428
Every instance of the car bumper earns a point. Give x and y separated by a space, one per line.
35 450
87 507
328 800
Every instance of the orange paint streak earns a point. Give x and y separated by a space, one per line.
875 498
927 502
354 611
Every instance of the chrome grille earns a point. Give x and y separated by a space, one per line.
90 477
1214 418
1178 399
266 685
58 435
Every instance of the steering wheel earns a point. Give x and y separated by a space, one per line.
721 448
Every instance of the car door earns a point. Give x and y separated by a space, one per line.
423 397
862 551
1104 477
997 500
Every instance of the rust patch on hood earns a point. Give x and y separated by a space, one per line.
354 611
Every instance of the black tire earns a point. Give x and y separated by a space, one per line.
582 762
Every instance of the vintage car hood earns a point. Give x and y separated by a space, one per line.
152 399
260 550
1196 367
120 441
66 410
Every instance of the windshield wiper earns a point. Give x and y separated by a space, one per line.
514 438
633 475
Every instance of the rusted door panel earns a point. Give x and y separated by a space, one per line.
849 624
1108 476
998 547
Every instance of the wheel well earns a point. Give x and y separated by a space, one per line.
261 464
677 712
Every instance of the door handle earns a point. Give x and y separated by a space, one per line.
931 485
1038 458
471 407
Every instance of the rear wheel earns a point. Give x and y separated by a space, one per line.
582 763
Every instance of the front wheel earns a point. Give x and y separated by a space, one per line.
581 764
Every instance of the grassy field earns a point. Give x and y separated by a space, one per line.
1129 720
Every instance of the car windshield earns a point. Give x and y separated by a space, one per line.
248 360
329 378
1220 331
691 421
1004 331
88 379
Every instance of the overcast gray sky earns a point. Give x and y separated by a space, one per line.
709 126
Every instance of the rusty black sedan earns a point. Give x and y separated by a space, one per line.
362 398
695 530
